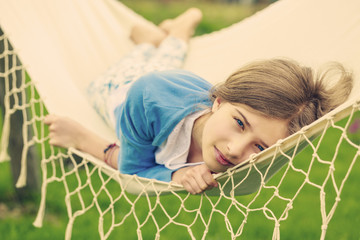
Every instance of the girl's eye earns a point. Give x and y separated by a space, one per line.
260 147
240 123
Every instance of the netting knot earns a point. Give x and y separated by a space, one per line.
138 231
330 118
290 205
356 105
252 158
276 192
279 142
324 227
332 168
337 199
344 135
303 130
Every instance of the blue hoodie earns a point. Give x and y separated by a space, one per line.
154 105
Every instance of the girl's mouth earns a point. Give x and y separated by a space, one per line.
220 158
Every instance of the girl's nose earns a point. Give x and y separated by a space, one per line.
237 149
240 148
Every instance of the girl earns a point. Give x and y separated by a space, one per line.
174 126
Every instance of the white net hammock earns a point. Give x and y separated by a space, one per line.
64 44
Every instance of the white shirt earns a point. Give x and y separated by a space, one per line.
174 151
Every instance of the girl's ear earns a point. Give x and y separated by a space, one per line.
216 104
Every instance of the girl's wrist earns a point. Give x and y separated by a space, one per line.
83 138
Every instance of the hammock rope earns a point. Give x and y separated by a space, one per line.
263 176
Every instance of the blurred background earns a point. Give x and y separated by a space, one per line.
18 207
217 13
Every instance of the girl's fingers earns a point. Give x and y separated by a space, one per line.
210 181
198 180
49 119
190 183
206 177
189 188
201 184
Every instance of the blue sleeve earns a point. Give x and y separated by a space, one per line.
137 155
140 160
155 103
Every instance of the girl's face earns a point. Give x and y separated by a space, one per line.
235 131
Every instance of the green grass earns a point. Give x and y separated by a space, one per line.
216 15
304 221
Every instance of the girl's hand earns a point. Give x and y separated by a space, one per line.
64 132
195 179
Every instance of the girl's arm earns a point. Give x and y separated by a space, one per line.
65 132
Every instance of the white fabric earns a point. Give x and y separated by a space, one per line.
109 89
174 151
77 40
115 99
64 44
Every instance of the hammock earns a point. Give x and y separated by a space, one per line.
64 44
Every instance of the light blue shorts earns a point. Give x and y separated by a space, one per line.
109 90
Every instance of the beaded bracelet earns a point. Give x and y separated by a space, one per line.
108 152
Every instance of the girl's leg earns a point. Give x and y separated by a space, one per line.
172 50
170 55
183 27
109 90
119 77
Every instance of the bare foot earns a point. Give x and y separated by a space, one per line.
147 34
184 25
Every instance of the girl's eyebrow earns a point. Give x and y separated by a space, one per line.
249 125
245 119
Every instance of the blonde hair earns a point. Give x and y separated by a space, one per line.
283 89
